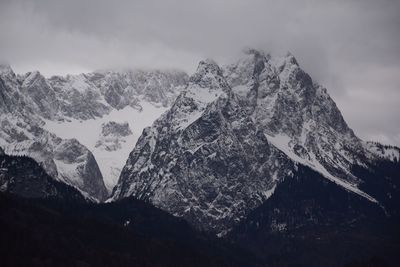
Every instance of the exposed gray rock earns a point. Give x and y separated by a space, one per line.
112 135
116 129
231 137
26 101
43 97
22 133
78 97
128 88
85 172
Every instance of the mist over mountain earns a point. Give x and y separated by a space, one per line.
236 133
245 164
183 133
59 121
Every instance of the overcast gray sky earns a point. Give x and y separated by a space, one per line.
351 47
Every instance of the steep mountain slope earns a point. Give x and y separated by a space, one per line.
129 88
22 133
232 136
136 97
36 112
88 132
184 165
22 176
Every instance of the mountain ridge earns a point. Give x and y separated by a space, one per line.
233 134
36 112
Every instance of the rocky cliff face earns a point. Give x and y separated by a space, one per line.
78 98
234 134
66 160
30 102
129 88
113 135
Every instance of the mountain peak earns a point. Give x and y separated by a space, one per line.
254 52
34 77
267 120
208 75
208 65
34 73
5 69
289 58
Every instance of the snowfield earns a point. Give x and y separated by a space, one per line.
87 132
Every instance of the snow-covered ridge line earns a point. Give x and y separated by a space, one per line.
219 151
281 143
36 111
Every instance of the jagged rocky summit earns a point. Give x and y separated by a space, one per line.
55 120
236 133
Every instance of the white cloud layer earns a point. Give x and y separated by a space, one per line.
351 47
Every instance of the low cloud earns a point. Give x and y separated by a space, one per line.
351 47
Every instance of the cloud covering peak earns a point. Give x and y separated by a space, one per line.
350 47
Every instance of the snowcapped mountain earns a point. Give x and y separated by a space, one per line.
58 121
133 97
235 134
